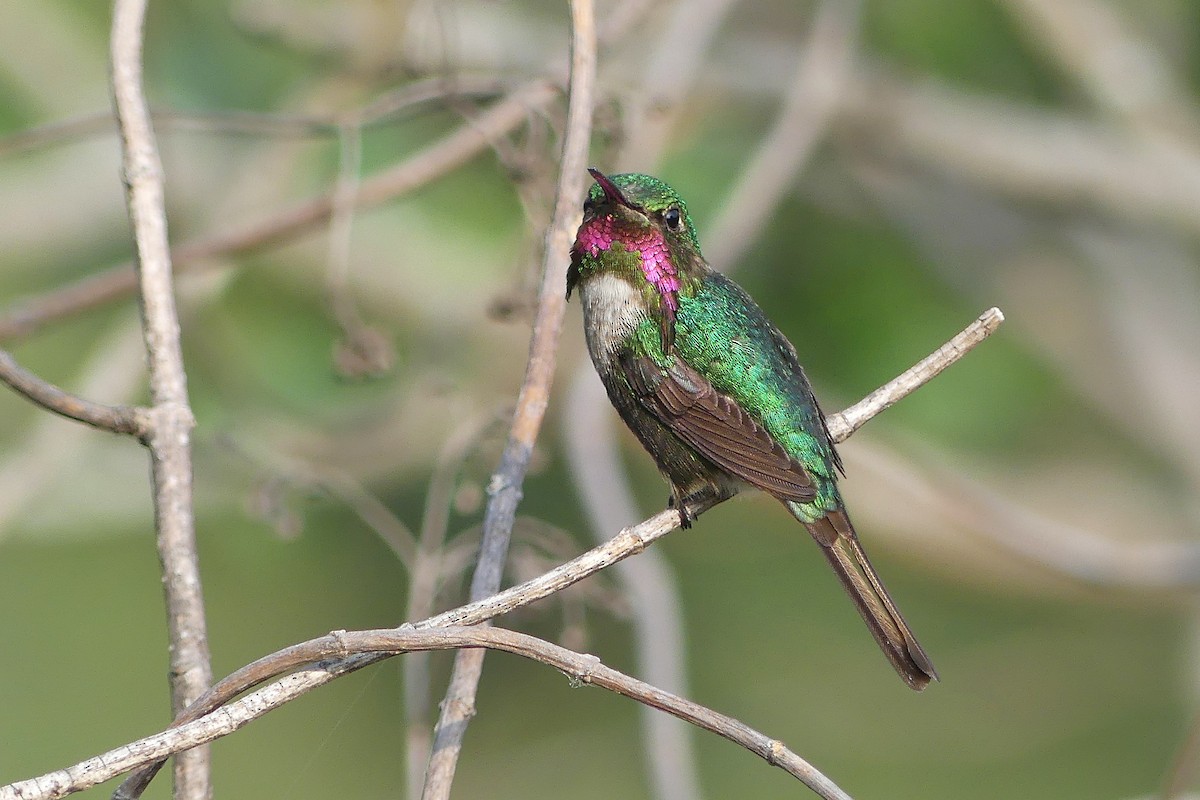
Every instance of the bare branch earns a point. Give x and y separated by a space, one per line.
117 419
427 165
847 422
427 570
628 542
505 488
362 350
327 653
171 421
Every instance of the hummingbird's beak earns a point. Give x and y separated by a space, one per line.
610 189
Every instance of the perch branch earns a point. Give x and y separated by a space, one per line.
628 542
505 489
847 422
655 607
171 421
331 650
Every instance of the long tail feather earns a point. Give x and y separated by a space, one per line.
841 547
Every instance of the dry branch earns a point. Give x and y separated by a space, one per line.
581 669
117 419
170 419
628 542
424 167
843 424
505 488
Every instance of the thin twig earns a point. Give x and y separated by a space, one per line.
505 487
117 419
628 542
170 418
341 227
425 575
326 653
362 351
425 166
843 424
47 449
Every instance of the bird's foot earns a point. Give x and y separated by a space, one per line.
696 503
685 519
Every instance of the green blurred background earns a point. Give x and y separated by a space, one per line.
1033 510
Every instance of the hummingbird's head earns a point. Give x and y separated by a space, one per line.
641 202
638 227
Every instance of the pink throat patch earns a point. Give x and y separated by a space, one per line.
601 232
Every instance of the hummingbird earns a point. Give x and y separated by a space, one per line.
711 388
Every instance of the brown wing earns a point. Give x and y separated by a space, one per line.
717 427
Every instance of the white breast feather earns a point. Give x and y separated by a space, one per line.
612 308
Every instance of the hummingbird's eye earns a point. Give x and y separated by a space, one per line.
673 218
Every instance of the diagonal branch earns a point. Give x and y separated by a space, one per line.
23 319
628 542
505 489
171 421
656 619
332 649
117 419
847 422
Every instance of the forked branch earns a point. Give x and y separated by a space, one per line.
170 419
